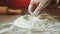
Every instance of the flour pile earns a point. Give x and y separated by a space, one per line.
33 22
28 24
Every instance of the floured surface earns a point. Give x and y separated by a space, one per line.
27 22
35 25
32 22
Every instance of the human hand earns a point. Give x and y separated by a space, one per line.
36 6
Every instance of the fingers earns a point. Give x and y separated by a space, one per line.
37 10
40 7
30 9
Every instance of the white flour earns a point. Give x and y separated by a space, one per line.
32 22
28 24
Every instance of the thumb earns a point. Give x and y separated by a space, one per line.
30 8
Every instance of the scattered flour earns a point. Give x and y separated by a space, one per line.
28 24
33 22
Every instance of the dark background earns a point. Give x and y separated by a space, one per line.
15 3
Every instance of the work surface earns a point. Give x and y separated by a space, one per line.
8 18
11 19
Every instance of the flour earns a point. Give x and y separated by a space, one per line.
33 22
29 24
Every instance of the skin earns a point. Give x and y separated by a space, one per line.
40 5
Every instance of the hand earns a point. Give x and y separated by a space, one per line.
36 6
